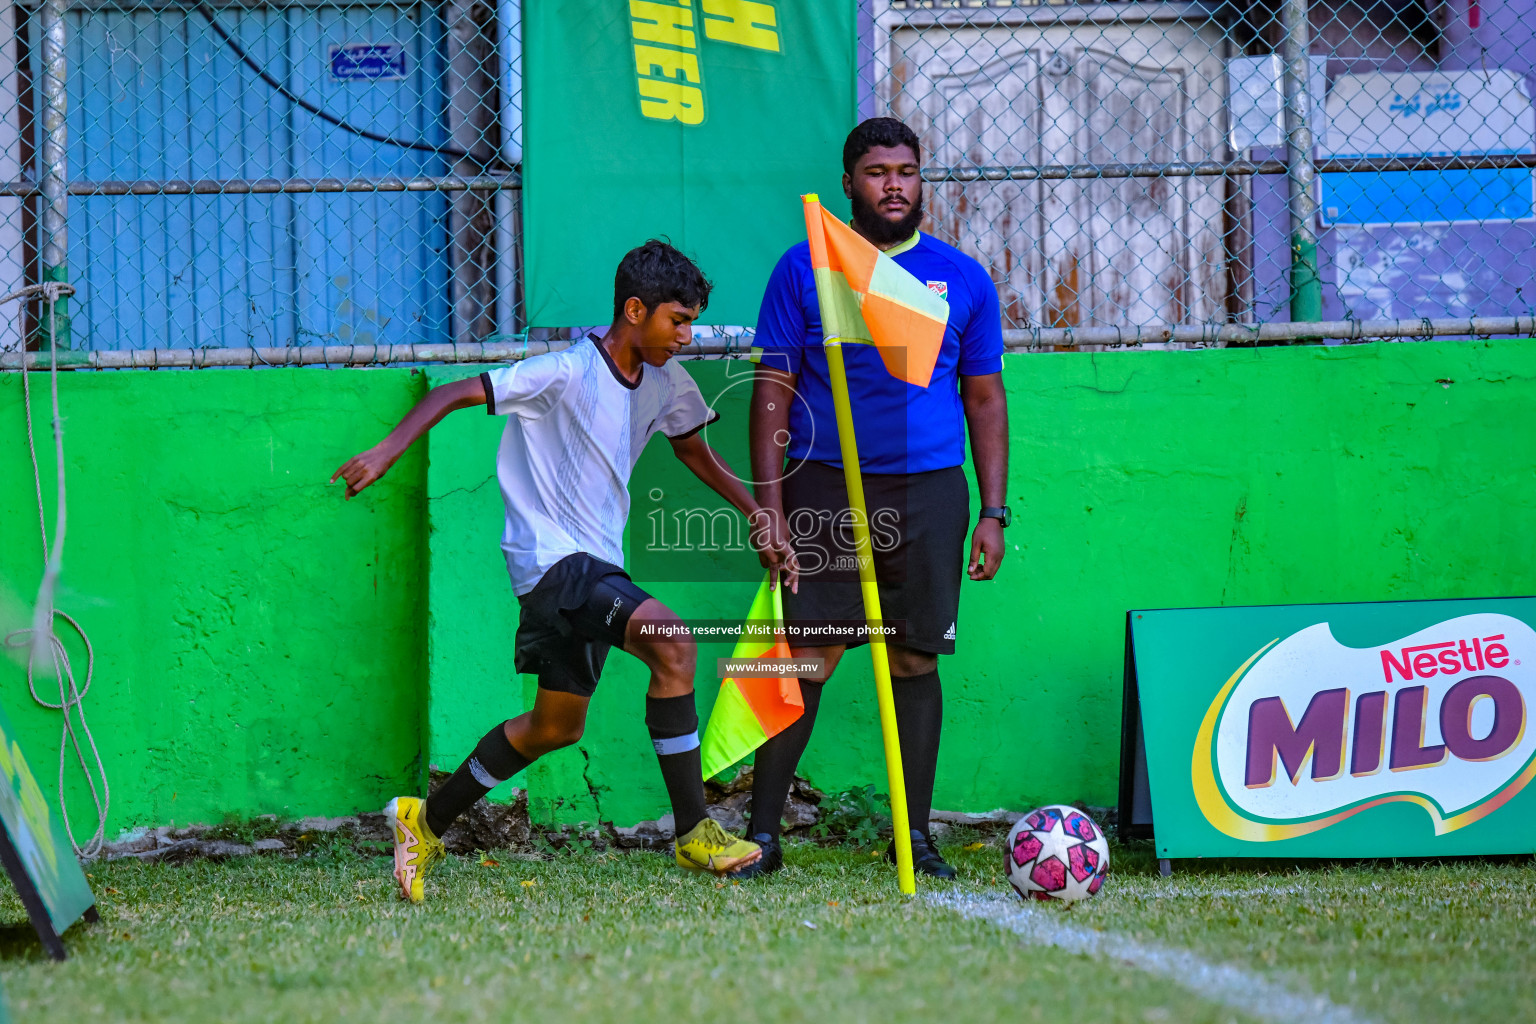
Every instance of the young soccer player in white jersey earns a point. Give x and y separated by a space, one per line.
577 421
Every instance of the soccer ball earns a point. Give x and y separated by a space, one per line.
1057 853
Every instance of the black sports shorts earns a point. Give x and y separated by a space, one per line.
571 618
918 526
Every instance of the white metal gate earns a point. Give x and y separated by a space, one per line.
1096 251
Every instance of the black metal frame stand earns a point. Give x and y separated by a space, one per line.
37 913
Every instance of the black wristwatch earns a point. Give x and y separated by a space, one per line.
1003 515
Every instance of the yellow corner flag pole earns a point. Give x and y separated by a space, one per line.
867 583
864 553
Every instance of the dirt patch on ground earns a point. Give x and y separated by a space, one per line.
507 827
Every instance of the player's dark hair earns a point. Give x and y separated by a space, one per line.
886 132
656 272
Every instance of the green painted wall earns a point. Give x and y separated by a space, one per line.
260 642
265 647
1139 479
472 613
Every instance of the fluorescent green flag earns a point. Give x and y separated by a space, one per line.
751 709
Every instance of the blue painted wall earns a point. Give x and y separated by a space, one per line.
157 94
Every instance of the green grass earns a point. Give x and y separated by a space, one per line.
611 937
1449 941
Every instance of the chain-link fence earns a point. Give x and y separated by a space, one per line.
267 174
311 174
1133 165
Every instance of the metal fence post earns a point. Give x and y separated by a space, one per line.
53 172
471 116
1306 287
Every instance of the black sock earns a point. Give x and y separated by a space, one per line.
674 726
919 719
494 761
773 769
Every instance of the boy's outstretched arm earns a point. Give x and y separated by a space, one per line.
364 468
772 549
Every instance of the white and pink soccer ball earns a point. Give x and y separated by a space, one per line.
1056 853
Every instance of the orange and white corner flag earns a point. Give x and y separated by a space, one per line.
866 297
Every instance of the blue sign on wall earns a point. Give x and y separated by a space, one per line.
1428 197
1411 113
368 62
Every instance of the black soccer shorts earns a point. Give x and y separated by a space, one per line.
918 526
571 618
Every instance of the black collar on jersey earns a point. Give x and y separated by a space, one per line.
613 367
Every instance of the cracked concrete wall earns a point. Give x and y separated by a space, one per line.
264 647
472 613
1138 480
259 641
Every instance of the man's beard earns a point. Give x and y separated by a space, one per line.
881 231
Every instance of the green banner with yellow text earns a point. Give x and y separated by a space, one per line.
701 121
1346 730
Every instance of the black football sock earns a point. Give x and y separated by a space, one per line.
919 719
494 761
773 769
674 726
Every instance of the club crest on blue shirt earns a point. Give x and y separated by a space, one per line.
940 288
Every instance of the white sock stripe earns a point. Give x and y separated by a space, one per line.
482 776
676 744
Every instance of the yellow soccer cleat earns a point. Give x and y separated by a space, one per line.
416 848
708 847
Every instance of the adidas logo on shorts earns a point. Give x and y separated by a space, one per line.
949 634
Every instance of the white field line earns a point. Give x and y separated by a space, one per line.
1225 984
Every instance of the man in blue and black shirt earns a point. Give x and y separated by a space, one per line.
911 450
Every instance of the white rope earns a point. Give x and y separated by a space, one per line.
41 637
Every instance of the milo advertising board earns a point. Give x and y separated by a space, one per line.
1348 730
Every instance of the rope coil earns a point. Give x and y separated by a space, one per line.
41 638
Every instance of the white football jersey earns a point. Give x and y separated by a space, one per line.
575 428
